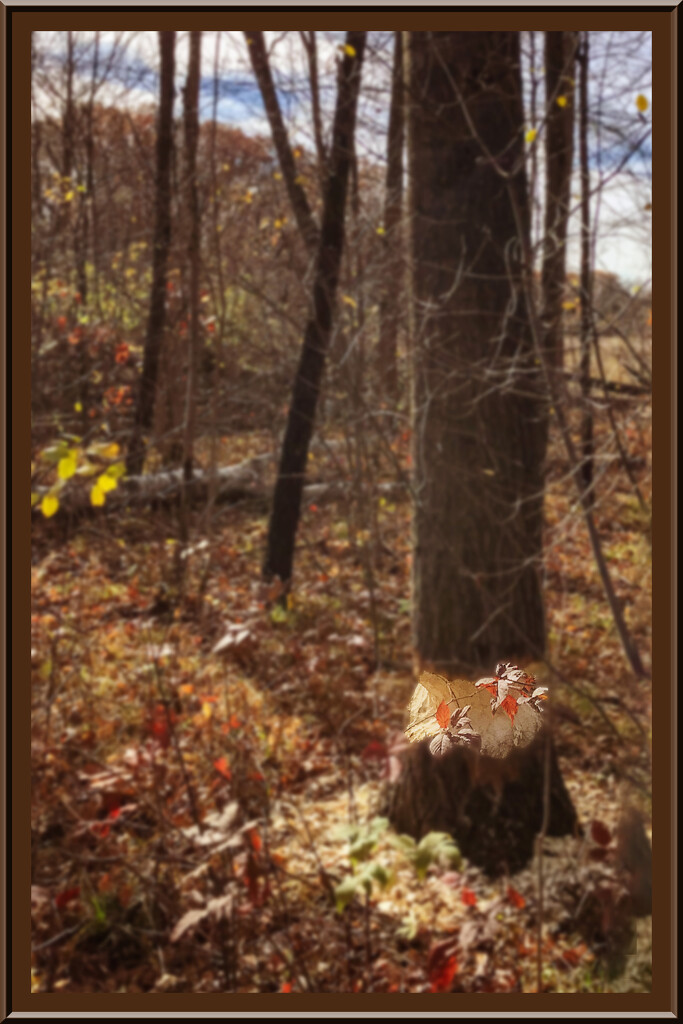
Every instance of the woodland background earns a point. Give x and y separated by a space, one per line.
341 369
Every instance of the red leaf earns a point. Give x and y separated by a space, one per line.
441 976
286 986
376 750
515 898
509 706
255 840
489 684
221 766
600 833
468 897
443 715
64 897
572 956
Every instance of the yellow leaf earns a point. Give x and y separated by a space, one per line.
116 470
207 709
68 197
642 103
66 468
78 406
569 306
277 176
562 101
106 483
111 451
349 301
49 505
350 51
381 231
531 135
97 496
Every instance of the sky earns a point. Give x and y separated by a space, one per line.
621 71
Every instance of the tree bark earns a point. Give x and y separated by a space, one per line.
286 509
144 409
478 407
390 306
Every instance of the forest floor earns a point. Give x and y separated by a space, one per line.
209 820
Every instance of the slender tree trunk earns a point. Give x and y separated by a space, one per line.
390 306
586 283
478 417
191 118
191 137
297 196
286 509
311 47
560 48
144 409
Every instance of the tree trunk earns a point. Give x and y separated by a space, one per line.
586 329
144 409
479 410
284 517
492 807
191 116
479 430
297 196
560 50
390 306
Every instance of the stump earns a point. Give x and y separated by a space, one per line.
493 807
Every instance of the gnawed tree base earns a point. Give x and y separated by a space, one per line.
492 807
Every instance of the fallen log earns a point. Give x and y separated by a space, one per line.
250 480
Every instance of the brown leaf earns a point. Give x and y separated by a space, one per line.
600 833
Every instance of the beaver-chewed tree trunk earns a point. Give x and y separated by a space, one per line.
480 427
493 807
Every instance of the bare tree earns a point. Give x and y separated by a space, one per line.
144 409
286 508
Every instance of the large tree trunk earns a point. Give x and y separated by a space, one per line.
144 409
284 517
479 432
479 411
